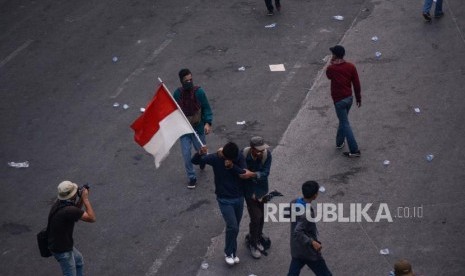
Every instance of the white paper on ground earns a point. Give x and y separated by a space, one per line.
277 68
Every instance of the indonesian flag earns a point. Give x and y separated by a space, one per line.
162 123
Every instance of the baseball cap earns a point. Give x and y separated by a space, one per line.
258 143
338 51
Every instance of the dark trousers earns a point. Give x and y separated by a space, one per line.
269 4
318 267
257 219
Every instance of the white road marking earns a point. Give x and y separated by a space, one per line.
164 255
16 52
141 69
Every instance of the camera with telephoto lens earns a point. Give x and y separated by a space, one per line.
79 192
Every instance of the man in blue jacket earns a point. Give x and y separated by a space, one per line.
227 166
305 247
258 160
194 104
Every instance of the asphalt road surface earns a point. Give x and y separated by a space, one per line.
59 81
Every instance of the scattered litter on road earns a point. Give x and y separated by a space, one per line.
417 109
338 17
115 104
125 106
19 165
386 162
378 55
241 123
322 189
242 68
204 265
429 157
374 38
366 9
384 251
391 273
277 68
272 25
252 275
142 110
115 59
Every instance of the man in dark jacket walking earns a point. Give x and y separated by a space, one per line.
343 76
227 166
305 247
258 159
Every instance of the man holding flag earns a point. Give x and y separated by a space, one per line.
194 104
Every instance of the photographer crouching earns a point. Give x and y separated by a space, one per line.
66 211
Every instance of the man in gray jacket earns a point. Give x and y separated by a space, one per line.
305 247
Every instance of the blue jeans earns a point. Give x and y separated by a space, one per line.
344 131
429 3
231 209
318 267
71 262
187 141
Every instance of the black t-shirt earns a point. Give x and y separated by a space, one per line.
60 235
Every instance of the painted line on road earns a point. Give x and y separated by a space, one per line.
290 76
165 254
141 69
16 52
455 22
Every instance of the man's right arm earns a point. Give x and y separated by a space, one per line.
89 215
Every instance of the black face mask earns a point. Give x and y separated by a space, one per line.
188 85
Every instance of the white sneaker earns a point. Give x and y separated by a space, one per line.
260 247
236 259
255 252
229 260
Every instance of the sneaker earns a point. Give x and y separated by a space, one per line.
427 16
255 252
229 259
350 154
202 166
260 247
192 183
236 259
439 15
340 146
270 13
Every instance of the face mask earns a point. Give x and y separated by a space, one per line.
188 85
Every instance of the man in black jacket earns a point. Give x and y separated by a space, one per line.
228 165
305 247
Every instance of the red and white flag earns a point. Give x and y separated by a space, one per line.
162 123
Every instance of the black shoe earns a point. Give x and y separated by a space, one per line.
270 13
341 145
427 16
351 155
202 166
192 183
439 15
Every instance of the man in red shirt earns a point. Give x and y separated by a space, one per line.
343 76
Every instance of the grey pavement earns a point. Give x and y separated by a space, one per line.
58 84
421 67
